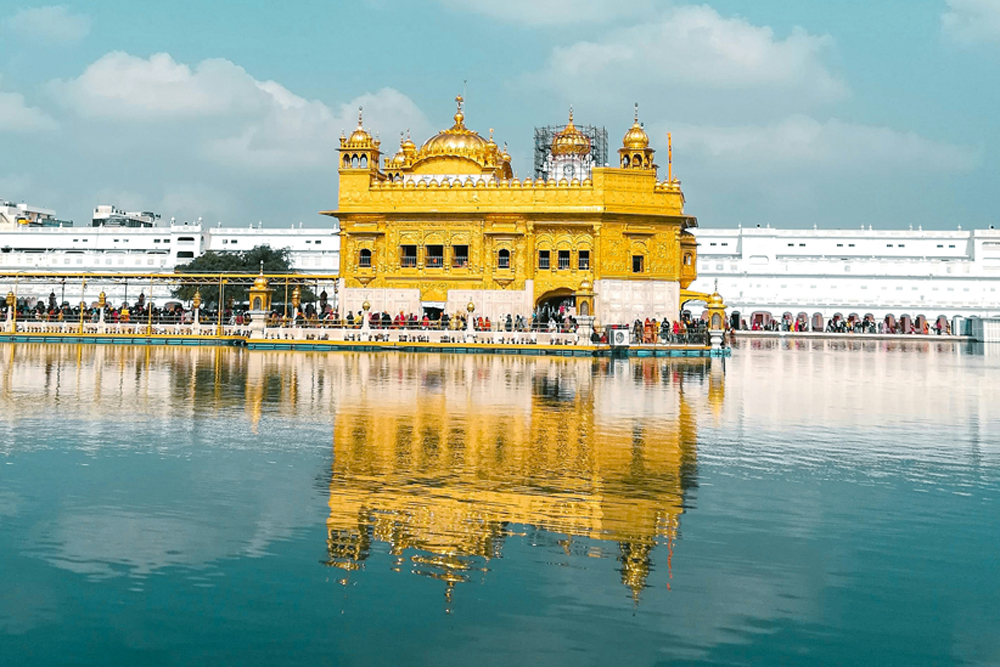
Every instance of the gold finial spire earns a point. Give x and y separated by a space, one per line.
360 117
459 115
637 112
571 114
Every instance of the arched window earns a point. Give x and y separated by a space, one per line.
585 309
503 259
637 161
365 258
347 161
354 162
364 161
625 161
256 303
687 259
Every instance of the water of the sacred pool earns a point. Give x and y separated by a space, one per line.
797 503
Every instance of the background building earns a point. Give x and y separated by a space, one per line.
816 274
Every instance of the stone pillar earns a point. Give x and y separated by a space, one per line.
584 329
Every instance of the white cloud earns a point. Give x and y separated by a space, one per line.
55 24
204 139
802 143
553 12
237 121
972 21
125 87
17 116
683 54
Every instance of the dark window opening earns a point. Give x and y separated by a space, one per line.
460 256
408 256
583 261
365 258
185 254
435 256
637 263
543 259
503 259
564 259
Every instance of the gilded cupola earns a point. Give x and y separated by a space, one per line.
456 151
570 141
635 152
360 150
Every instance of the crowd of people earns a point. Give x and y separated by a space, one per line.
649 331
854 325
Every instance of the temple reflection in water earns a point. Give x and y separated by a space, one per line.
441 458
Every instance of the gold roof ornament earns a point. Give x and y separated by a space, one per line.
260 283
636 137
457 141
361 138
570 141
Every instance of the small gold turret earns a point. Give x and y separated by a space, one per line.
360 151
635 152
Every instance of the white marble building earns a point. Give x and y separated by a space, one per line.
29 243
816 274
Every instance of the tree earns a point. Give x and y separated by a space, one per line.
246 262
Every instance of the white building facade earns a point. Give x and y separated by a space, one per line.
39 247
817 275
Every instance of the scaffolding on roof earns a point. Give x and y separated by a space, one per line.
543 145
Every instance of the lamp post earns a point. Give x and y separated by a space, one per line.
470 331
296 302
196 307
83 302
149 310
11 312
366 324
222 293
102 301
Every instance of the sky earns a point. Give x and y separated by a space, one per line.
783 112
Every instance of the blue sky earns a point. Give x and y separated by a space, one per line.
783 112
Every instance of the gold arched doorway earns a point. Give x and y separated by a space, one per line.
550 303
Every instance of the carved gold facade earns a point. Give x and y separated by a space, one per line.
446 223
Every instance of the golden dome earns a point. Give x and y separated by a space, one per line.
636 137
505 156
360 135
456 141
407 146
260 283
570 141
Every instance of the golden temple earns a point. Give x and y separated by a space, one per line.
437 227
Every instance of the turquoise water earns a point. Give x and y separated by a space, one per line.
812 503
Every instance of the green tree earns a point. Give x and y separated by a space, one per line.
246 262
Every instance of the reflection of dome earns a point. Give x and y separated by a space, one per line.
457 141
570 141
